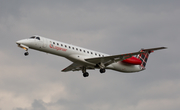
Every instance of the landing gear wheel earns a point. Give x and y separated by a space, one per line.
102 70
26 53
86 74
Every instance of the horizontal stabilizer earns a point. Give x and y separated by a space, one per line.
153 49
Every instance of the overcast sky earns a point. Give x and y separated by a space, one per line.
109 26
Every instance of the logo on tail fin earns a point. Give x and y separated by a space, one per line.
144 57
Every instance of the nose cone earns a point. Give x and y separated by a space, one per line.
24 41
18 42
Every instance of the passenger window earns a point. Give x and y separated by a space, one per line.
73 48
80 50
91 53
37 38
57 43
53 42
87 51
61 44
99 55
65 46
76 48
69 47
84 51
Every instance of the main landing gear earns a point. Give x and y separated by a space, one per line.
85 74
102 67
102 70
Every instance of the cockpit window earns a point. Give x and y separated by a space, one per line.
33 37
38 38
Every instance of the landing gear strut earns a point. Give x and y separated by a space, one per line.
85 74
102 67
26 53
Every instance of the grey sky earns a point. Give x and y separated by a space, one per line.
110 26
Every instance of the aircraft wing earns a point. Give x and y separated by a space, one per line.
75 67
107 60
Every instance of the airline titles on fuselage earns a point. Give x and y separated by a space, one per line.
57 48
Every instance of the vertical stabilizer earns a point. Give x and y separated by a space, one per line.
144 56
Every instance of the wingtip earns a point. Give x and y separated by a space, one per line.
162 47
165 47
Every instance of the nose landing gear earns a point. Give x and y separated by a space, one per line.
24 47
26 53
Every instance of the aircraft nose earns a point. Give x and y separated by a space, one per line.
21 41
18 42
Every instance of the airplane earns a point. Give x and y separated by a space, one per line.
86 59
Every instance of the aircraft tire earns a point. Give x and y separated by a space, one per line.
102 70
26 53
86 74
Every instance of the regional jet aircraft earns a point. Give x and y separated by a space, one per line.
85 59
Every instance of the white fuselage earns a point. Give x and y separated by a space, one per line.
74 53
